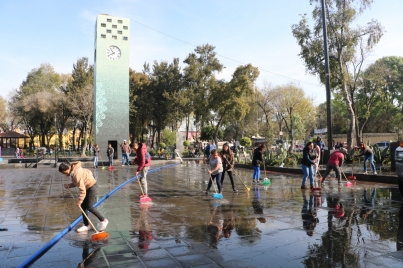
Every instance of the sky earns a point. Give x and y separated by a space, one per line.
242 31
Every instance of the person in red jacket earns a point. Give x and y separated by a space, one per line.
143 160
335 161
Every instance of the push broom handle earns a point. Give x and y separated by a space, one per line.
92 225
141 188
247 188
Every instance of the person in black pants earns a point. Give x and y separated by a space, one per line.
228 163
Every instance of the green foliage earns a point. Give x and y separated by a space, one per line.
162 145
245 141
381 156
208 133
168 137
186 143
152 152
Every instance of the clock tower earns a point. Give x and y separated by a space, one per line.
111 82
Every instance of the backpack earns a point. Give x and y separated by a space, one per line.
148 156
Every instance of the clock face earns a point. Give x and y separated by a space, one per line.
113 52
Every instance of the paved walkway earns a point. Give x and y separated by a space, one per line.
278 225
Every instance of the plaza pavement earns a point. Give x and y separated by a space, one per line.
268 226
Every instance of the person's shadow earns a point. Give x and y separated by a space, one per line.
308 214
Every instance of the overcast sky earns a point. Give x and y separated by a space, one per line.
243 31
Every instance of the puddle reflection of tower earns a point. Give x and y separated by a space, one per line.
111 80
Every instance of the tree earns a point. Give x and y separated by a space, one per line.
140 104
34 102
200 73
168 137
229 101
294 109
3 114
81 91
344 42
265 101
165 82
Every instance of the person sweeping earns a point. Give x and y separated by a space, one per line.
86 183
334 163
143 160
227 157
215 170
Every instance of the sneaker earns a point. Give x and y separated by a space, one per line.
123 165
375 173
104 224
83 229
365 173
258 181
206 192
235 190
254 181
303 187
311 187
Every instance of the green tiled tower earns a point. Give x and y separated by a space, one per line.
111 82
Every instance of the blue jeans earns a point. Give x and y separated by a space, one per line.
128 159
124 159
95 161
217 177
308 171
110 158
371 161
256 173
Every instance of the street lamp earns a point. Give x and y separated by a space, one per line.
327 74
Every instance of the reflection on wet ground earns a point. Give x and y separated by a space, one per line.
275 225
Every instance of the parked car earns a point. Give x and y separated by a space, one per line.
382 145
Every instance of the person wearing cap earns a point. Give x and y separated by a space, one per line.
335 161
125 153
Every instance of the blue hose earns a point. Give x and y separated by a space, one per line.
55 239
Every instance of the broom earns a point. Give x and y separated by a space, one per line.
348 183
266 180
247 188
98 236
215 195
143 199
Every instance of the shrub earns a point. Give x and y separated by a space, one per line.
186 143
162 145
246 141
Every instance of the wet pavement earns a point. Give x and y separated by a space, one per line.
276 225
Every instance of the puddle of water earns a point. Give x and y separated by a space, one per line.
279 222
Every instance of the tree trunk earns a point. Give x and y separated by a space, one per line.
84 148
352 118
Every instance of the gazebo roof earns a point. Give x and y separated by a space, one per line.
12 134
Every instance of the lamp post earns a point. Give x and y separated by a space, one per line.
327 74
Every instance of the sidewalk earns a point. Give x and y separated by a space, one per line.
183 227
